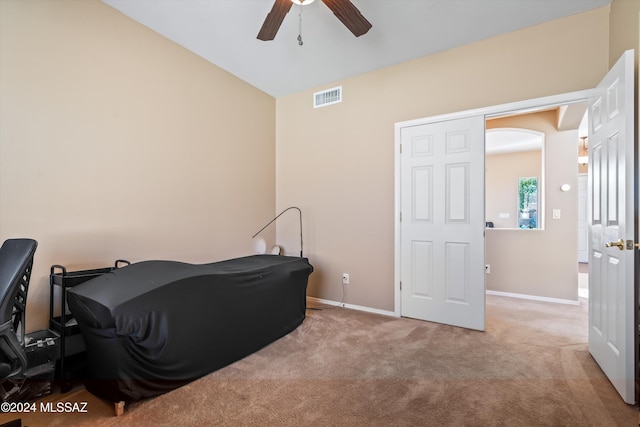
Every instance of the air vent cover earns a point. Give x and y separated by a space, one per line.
327 97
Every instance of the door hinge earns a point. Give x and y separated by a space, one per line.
400 216
400 148
400 284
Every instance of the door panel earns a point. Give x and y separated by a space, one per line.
442 228
612 220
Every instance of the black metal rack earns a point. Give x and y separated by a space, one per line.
72 346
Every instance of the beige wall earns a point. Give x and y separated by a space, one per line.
625 29
502 172
116 143
337 163
543 262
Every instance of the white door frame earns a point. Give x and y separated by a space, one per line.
583 256
488 112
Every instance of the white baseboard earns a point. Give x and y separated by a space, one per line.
392 314
352 306
533 297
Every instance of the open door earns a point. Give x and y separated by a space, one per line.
440 234
612 226
442 222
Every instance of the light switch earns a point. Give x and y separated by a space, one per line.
556 214
504 215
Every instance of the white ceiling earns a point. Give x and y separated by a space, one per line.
224 32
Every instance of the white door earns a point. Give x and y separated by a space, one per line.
583 229
612 226
442 222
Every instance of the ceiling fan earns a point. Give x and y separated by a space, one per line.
344 10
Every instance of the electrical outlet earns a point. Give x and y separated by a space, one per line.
345 278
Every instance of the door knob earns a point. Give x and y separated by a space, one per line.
619 244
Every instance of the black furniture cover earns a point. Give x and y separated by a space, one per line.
153 326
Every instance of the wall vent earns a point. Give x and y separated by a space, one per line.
327 97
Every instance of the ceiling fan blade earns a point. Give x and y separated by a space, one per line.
349 15
274 19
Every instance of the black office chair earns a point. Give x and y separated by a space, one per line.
16 260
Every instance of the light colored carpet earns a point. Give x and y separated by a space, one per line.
346 368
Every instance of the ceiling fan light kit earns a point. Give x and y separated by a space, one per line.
344 10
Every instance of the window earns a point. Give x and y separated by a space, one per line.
528 202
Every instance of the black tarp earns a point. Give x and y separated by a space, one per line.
155 325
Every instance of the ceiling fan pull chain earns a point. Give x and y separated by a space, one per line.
300 26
